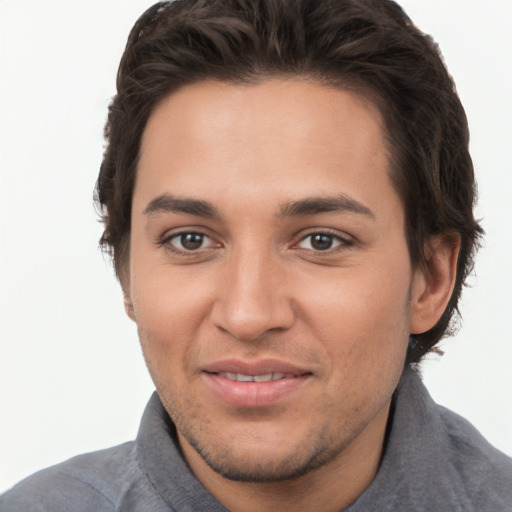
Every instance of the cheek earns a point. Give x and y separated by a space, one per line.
167 298
362 317
360 297
364 339
169 313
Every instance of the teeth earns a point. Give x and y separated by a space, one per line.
240 377
263 378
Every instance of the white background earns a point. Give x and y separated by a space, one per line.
72 378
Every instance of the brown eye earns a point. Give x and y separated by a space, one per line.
322 242
189 241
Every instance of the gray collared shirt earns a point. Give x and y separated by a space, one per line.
434 460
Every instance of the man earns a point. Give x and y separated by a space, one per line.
288 201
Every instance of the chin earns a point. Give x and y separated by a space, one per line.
273 464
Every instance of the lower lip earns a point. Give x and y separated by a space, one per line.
254 394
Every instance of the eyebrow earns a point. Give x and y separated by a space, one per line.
317 205
167 203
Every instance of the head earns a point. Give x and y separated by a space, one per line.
367 46
287 195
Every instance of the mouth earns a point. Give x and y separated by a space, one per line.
253 385
241 377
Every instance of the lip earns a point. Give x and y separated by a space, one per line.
254 394
260 367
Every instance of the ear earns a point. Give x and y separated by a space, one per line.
128 305
433 286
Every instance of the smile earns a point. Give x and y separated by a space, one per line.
240 377
254 388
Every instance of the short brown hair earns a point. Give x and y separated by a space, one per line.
369 46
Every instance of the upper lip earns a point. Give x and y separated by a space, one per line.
260 367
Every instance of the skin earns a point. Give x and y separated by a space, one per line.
330 292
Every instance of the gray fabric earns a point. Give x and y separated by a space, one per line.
434 461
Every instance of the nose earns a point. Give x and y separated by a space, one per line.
253 297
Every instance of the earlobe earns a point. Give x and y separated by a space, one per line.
433 286
128 305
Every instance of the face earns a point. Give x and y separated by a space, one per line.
269 276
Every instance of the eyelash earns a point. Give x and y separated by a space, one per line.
166 242
342 242
339 242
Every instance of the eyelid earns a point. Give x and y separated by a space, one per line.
165 240
344 239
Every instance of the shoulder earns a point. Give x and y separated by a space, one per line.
95 480
484 471
436 460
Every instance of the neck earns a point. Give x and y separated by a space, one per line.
331 487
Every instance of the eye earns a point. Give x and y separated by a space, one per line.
322 242
188 242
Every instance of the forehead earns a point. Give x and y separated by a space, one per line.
286 136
